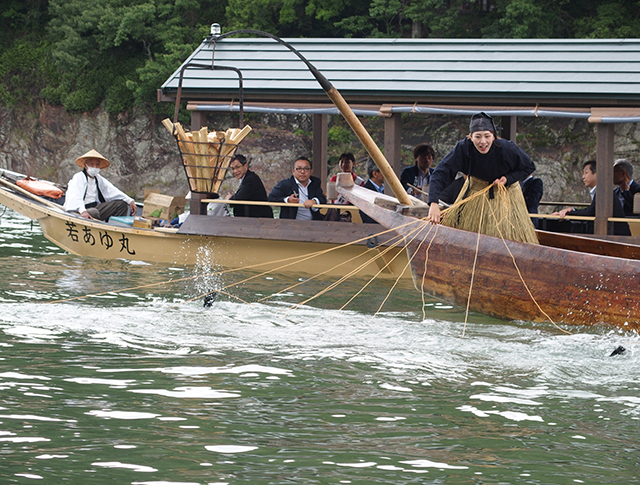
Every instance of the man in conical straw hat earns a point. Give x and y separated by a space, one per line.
91 195
494 166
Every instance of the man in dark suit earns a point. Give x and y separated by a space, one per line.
589 179
419 175
532 188
376 183
251 188
626 186
300 188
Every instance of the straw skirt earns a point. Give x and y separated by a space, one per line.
496 211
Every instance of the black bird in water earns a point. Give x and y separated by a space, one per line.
209 299
618 351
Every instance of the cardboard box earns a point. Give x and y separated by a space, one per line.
163 206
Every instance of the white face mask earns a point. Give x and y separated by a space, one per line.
93 171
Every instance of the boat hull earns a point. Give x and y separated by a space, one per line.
260 245
512 280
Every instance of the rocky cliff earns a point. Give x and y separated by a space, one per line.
44 141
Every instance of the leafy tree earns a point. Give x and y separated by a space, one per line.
81 53
122 50
24 55
293 18
616 19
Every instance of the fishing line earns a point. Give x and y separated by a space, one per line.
369 261
406 266
344 278
305 258
416 231
424 271
473 272
526 287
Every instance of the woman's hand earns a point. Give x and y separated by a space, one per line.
501 181
434 213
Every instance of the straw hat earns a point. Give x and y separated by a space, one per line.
81 161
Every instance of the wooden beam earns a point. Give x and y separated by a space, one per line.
198 120
392 151
509 127
604 170
320 151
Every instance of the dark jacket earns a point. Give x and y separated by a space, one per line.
532 191
619 228
450 193
286 187
410 176
627 196
251 188
505 158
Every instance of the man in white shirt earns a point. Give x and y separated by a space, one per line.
91 195
301 188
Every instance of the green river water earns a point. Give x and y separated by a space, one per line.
139 387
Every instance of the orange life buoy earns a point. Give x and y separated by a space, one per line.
40 187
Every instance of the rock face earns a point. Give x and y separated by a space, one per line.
44 141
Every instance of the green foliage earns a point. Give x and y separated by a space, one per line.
293 18
612 20
82 53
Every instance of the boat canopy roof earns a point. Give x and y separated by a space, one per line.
568 73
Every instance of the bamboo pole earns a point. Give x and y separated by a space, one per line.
363 135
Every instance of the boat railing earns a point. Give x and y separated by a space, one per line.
354 209
341 207
568 204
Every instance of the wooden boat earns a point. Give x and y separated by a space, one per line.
565 279
283 246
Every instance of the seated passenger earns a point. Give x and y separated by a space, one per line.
375 182
251 188
626 186
91 195
589 179
419 175
300 188
346 163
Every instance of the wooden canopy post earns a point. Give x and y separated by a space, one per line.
510 128
320 153
198 120
604 171
392 132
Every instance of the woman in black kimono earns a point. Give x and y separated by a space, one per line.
489 161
